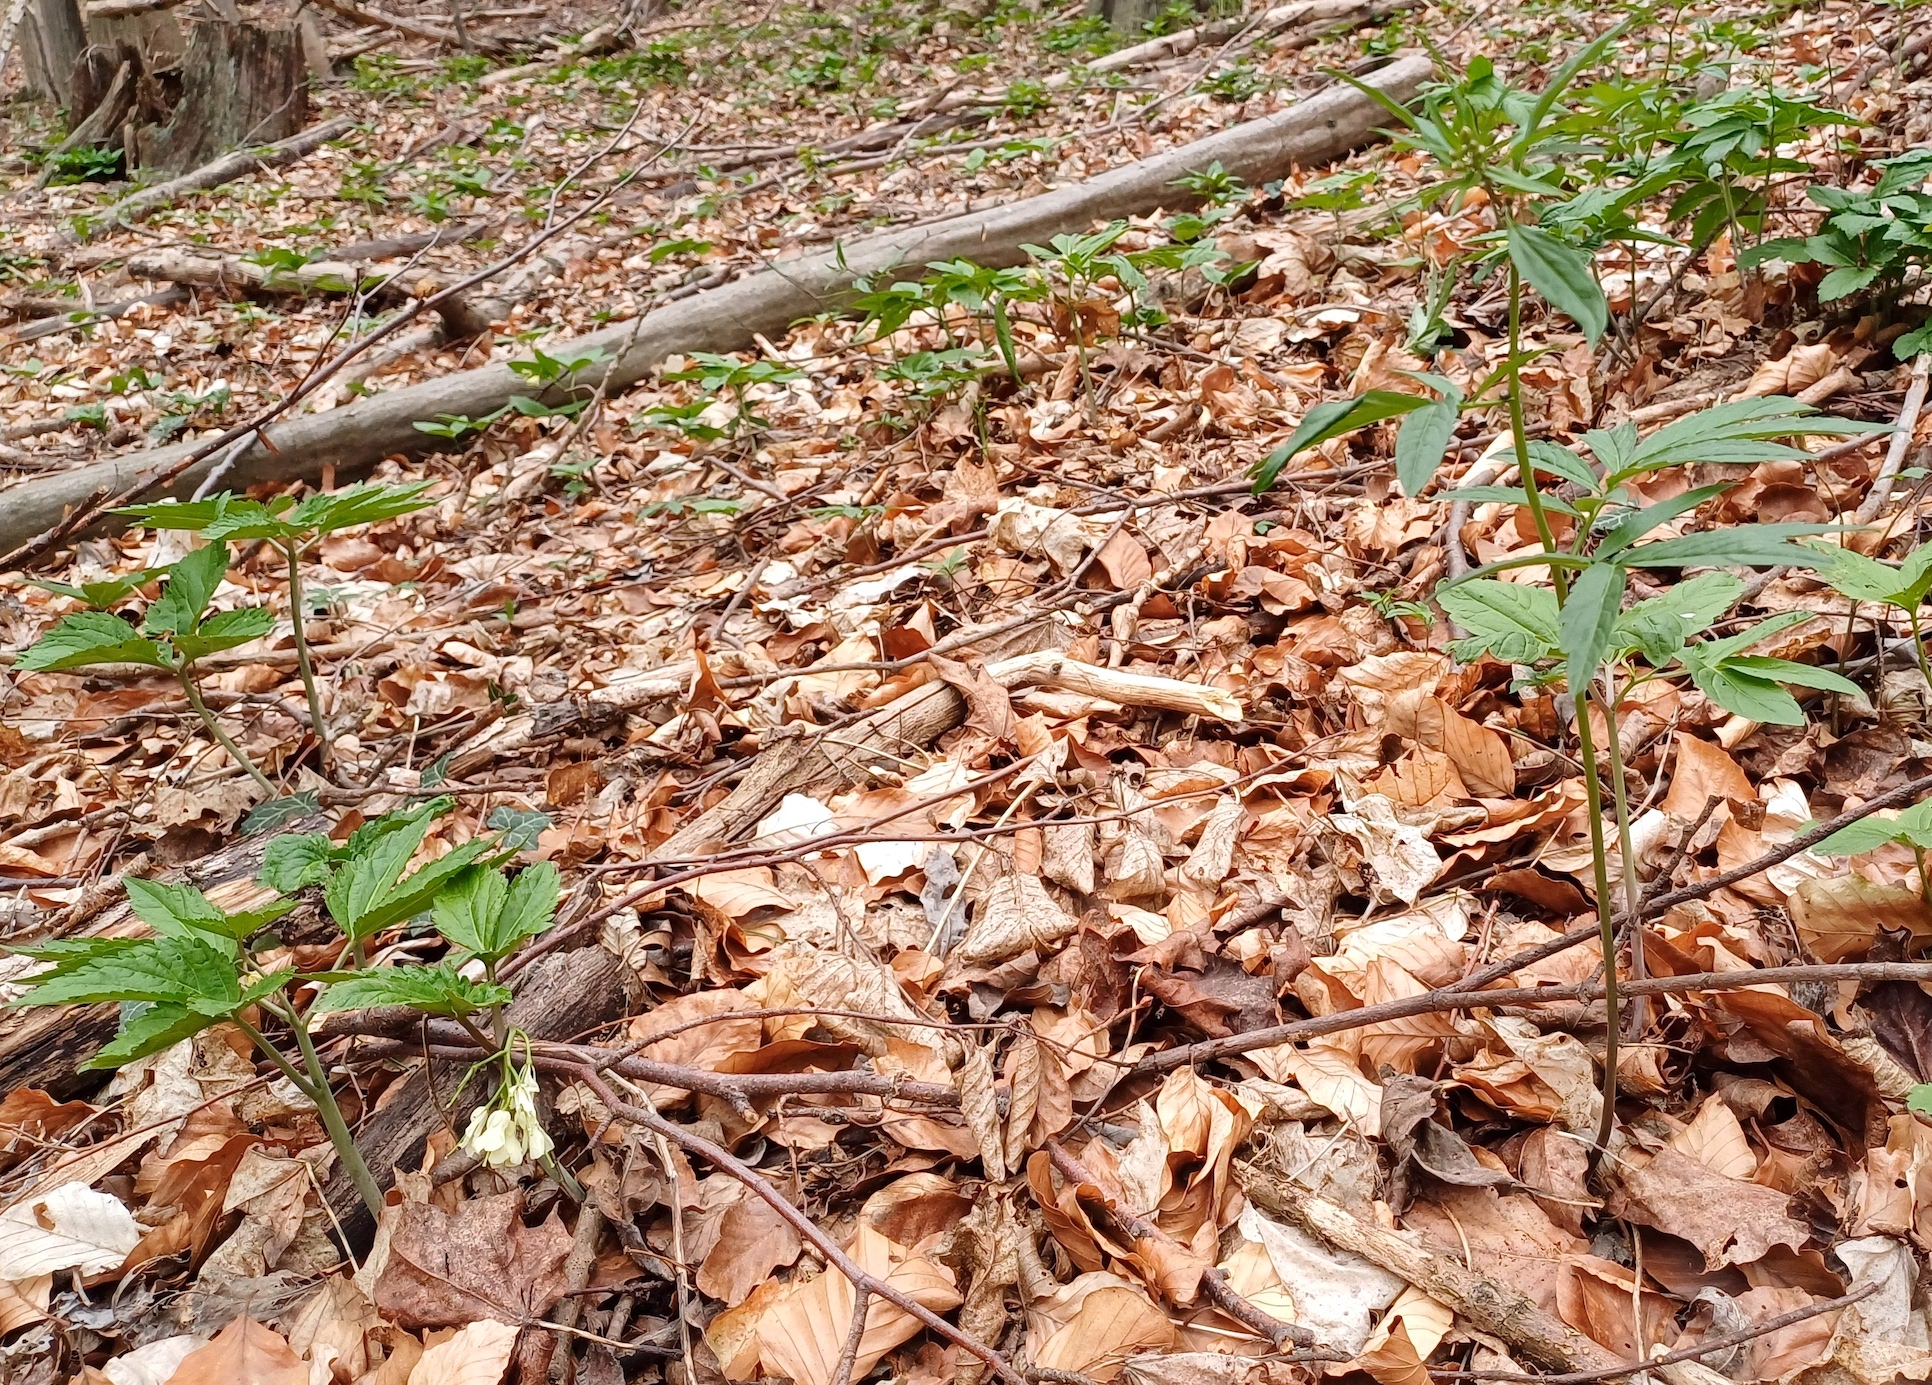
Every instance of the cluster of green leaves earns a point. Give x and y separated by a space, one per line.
177 630
282 520
717 375
1875 240
86 164
984 294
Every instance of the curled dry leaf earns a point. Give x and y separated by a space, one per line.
1015 914
480 1261
1732 1222
1111 1327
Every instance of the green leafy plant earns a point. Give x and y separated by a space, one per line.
1074 265
86 164
1876 241
1483 134
102 595
1911 828
716 374
177 632
1903 588
292 527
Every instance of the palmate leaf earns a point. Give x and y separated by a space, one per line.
68 954
435 990
361 882
100 595
1866 579
1508 621
1742 432
91 637
366 503
488 916
191 586
1332 420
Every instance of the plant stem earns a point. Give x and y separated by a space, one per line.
292 553
338 1128
1925 883
1918 646
1606 919
185 677
1519 433
1632 891
499 1014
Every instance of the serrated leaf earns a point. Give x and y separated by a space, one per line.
1561 462
264 816
361 882
1563 276
297 860
185 971
226 630
1744 545
1332 420
1638 523
365 503
191 585
1510 622
1913 826
1588 621
414 895
155 1028
66 954
466 909
435 990
91 637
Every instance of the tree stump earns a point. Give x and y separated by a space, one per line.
51 39
238 84
1130 18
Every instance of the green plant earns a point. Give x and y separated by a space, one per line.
86 164
1214 185
1876 241
292 527
1236 83
1904 587
204 966
176 633
363 183
1911 828
1483 134
101 596
715 374
1074 265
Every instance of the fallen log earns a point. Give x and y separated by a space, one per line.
1313 132
225 169
177 266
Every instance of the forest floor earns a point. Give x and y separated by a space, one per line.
992 888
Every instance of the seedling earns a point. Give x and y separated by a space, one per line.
1903 588
715 374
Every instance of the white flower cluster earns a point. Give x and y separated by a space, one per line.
507 1131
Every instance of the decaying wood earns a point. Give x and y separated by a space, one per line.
358 434
178 266
1479 1300
241 83
225 169
103 120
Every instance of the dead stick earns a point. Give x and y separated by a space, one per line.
1214 1280
723 1159
849 1353
1702 1349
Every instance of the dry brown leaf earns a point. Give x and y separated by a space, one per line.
801 1334
1715 1139
243 1353
1016 914
477 1355
1842 916
1599 1299
480 1261
1699 772
30 1117
337 1324
753 1240
1111 1326
1732 1222
1480 755
979 1104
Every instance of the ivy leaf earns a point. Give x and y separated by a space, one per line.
520 826
1562 274
436 990
1332 420
275 812
91 637
1508 621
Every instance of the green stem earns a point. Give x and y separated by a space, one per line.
332 1121
1606 918
499 1016
1632 891
1519 433
1918 647
185 676
293 555
1925 882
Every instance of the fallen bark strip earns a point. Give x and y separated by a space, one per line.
1315 131
1214 1280
226 169
1484 1303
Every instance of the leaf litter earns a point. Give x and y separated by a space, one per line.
922 981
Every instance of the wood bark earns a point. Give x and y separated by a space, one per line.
52 38
1316 131
241 84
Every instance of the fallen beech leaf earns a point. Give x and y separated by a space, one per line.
1598 1298
339 1321
1480 755
480 1261
1700 771
70 1228
1842 916
1112 1326
1400 854
30 1117
802 1333
243 1353
753 1240
477 1355
154 1363
1715 1139
1336 1292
